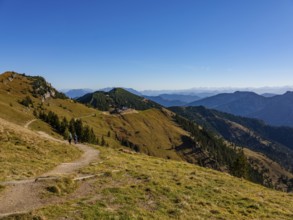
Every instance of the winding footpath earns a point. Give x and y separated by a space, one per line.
23 196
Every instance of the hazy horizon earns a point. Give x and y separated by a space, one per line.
150 44
259 90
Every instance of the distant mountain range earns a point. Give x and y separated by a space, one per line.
269 95
276 110
200 92
271 108
206 92
168 100
76 93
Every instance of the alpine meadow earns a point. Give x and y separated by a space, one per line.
146 109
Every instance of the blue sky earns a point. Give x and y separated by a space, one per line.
149 44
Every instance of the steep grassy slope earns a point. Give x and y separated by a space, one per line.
274 142
150 127
15 88
9 97
151 131
24 154
273 174
157 133
135 186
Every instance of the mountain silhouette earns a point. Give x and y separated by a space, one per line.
276 110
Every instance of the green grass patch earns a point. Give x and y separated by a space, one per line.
135 186
39 125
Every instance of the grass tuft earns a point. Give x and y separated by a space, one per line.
62 186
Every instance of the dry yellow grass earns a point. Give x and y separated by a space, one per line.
24 154
153 131
11 92
127 186
136 186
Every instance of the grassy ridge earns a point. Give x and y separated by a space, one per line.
134 186
151 130
117 98
24 154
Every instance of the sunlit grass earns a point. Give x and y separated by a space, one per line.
24 154
135 186
127 185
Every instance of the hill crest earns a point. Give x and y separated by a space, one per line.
117 99
36 86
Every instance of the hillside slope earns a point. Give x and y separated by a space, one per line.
159 132
24 154
136 186
155 131
126 184
150 131
274 142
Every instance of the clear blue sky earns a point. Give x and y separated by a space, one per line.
149 44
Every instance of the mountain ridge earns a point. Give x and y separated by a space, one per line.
117 98
168 100
275 110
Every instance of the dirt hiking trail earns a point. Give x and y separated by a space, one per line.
24 195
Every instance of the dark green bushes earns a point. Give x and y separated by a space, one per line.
75 126
27 101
